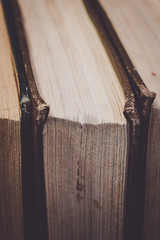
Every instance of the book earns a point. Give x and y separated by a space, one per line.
11 214
85 191
85 123
137 26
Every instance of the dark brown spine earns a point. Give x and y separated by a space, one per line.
34 114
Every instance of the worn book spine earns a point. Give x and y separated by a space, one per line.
34 114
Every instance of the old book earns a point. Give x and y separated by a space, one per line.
11 217
137 26
89 156
85 138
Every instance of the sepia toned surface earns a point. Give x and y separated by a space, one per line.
11 220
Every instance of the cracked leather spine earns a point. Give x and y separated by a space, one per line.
34 112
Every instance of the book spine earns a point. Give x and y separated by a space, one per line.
34 114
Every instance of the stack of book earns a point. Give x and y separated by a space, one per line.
79 120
